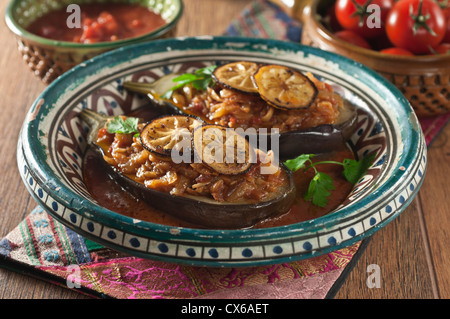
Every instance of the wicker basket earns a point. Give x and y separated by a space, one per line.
49 59
424 80
48 62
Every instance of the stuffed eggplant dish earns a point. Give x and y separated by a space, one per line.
191 167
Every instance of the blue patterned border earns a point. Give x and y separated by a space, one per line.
231 254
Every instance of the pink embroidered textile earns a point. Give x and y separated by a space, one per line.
130 277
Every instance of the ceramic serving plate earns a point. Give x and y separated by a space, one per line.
52 144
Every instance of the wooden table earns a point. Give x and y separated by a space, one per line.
411 251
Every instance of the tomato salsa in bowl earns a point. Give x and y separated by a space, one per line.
97 23
53 40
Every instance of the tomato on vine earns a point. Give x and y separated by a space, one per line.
355 15
416 25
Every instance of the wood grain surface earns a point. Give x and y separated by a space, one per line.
411 251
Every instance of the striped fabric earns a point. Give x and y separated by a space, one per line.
263 19
43 247
39 240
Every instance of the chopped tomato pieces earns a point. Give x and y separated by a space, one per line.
99 23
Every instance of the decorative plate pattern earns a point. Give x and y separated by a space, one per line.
52 144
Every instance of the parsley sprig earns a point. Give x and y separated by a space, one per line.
200 80
121 126
321 184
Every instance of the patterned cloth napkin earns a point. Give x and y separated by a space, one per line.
44 248
40 246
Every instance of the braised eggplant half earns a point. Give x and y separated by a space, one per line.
232 196
312 118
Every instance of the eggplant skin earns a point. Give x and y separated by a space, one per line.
201 211
320 139
207 213
214 216
317 140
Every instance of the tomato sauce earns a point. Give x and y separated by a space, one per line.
112 196
109 194
99 23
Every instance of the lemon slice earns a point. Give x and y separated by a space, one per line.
237 76
284 88
222 149
165 133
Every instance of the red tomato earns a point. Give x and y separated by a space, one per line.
355 15
108 24
353 38
447 33
443 48
417 31
91 33
396 51
447 11
445 6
